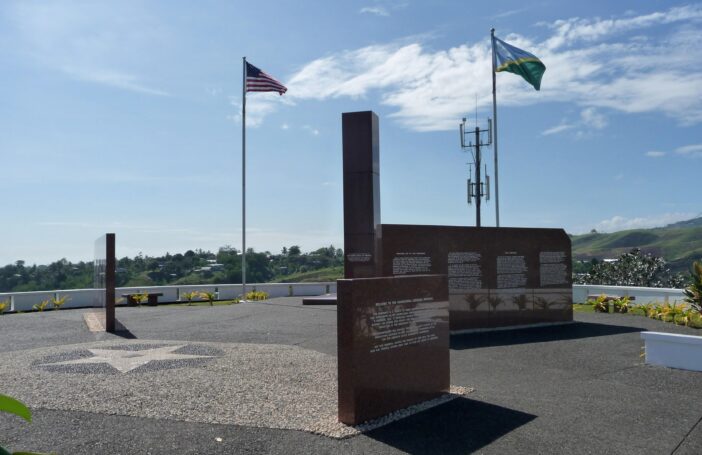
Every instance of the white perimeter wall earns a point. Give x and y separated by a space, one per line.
24 301
642 295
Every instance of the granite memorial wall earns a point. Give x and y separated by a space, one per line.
497 277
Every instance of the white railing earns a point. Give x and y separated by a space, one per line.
78 298
642 295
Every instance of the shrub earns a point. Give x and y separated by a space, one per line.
669 311
58 302
622 304
601 305
209 296
41 306
633 269
693 292
256 295
4 305
140 298
189 296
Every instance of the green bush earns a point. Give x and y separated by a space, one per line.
58 302
622 304
16 407
601 305
209 296
189 296
140 298
41 306
693 292
256 295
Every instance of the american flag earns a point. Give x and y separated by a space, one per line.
258 81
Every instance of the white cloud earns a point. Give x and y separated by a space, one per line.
655 154
692 151
509 13
284 126
114 79
257 108
313 131
569 31
93 42
593 119
430 89
590 118
376 10
557 129
620 223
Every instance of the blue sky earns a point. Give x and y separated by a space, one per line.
124 117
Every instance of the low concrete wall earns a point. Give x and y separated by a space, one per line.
673 350
80 298
642 295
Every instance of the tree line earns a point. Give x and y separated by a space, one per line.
191 267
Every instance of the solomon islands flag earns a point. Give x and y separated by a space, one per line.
514 60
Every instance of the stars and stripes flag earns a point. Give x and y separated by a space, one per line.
259 81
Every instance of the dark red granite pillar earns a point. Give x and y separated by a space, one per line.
361 194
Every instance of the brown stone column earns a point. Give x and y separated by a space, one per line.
361 194
110 282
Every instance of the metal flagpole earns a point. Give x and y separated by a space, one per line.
243 184
494 128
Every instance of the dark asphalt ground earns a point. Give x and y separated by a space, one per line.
576 389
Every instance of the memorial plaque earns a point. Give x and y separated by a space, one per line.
497 277
361 193
104 265
393 344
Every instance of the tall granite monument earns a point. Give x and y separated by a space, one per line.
361 149
392 332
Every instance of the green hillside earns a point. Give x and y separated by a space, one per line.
679 244
325 274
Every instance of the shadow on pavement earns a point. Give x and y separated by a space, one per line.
123 332
460 426
538 335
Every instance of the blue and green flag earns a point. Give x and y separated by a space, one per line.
517 61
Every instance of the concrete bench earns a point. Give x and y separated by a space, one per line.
152 298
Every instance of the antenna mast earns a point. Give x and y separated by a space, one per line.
477 189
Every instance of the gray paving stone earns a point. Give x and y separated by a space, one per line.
574 389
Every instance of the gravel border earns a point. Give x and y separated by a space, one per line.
257 385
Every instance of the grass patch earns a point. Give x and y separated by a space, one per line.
695 322
583 308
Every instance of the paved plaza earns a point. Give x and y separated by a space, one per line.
261 378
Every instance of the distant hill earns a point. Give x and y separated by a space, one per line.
687 223
679 243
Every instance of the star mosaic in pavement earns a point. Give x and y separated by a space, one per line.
126 360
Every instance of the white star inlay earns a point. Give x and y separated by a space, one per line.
125 361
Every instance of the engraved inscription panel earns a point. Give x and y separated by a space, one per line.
411 263
496 276
511 271
393 343
553 269
464 271
395 324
